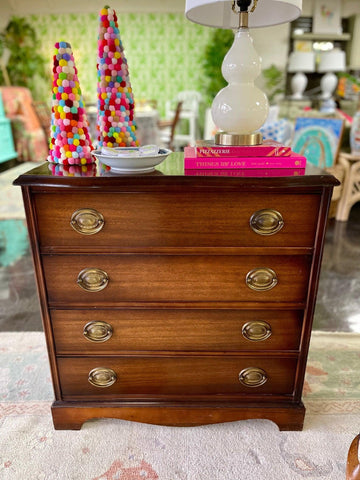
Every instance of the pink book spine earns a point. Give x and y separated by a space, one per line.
250 172
264 150
294 161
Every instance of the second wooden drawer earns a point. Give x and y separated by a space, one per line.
174 278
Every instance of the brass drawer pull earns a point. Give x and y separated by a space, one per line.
266 222
252 377
87 221
92 279
102 377
97 331
256 331
261 279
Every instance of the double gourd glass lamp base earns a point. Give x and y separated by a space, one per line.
241 108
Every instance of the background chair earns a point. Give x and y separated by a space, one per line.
31 143
191 100
43 113
167 128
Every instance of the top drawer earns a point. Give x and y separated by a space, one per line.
176 219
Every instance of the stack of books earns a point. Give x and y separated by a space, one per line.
268 159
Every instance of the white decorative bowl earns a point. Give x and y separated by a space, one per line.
141 164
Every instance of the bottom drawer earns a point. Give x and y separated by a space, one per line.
123 377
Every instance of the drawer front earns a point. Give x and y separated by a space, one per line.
113 331
177 219
169 278
157 376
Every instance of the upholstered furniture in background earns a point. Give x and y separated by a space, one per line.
30 140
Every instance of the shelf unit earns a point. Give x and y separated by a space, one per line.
342 41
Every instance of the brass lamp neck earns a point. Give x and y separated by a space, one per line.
243 20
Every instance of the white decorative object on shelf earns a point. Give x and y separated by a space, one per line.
299 63
330 62
327 16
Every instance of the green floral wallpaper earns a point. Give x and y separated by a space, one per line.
164 51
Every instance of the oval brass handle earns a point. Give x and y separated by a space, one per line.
87 221
98 331
92 279
252 377
256 331
102 377
266 222
261 279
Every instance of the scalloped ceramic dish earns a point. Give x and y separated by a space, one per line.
141 164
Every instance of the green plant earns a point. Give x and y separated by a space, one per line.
25 66
219 44
274 82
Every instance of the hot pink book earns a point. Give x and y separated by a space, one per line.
269 148
250 172
293 161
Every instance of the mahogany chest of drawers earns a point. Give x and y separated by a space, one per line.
176 299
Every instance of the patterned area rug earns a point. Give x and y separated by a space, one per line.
119 450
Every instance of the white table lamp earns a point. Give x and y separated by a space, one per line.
241 108
330 62
300 63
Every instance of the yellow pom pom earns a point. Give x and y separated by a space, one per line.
116 41
104 11
109 144
76 142
68 154
107 78
62 115
64 96
58 82
113 114
83 161
103 95
62 63
117 54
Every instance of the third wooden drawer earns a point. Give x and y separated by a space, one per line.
110 332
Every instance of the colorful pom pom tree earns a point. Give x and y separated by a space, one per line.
70 142
115 122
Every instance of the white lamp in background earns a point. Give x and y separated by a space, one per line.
330 62
299 63
240 108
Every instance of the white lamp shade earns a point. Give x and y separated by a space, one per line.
332 61
302 62
219 14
